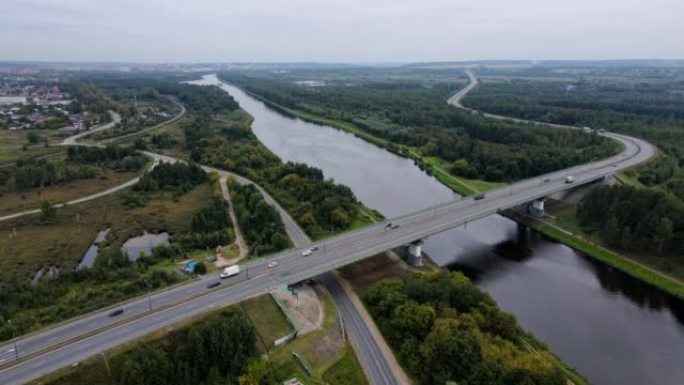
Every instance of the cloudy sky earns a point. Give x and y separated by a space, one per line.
339 30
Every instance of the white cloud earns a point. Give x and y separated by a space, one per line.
349 30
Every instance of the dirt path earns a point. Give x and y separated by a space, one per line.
239 239
306 307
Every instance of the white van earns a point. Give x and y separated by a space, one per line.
230 271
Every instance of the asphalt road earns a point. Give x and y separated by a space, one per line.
378 370
85 336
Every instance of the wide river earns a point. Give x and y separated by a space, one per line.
611 328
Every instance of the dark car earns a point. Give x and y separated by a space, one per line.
547 180
394 227
479 197
213 284
116 312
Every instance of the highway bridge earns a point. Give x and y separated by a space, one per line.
74 340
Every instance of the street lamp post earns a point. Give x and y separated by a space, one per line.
14 337
149 298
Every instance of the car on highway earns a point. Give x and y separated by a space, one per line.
479 196
213 284
569 179
394 227
313 248
116 312
307 252
272 264
547 180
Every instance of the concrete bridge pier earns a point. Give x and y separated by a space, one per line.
522 234
537 208
414 257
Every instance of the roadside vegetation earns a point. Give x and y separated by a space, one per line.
444 329
219 349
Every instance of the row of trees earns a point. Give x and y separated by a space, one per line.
178 177
260 222
32 173
117 157
446 330
634 219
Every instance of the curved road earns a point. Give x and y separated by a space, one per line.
74 340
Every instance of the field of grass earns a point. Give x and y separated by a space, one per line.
27 243
460 185
14 201
331 358
345 371
269 322
12 143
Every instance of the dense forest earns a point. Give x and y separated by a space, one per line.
259 221
414 113
217 350
648 107
444 329
635 219
80 163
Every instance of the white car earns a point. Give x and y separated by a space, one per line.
272 264
306 252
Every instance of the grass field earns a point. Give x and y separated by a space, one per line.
26 243
268 320
330 356
14 201
346 370
12 143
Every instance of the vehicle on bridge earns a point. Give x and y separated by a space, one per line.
230 271
569 179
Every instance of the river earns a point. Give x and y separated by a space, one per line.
612 328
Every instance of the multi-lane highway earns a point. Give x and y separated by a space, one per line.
75 340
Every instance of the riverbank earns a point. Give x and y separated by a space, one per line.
432 166
635 269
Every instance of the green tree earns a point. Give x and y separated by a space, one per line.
200 268
48 211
